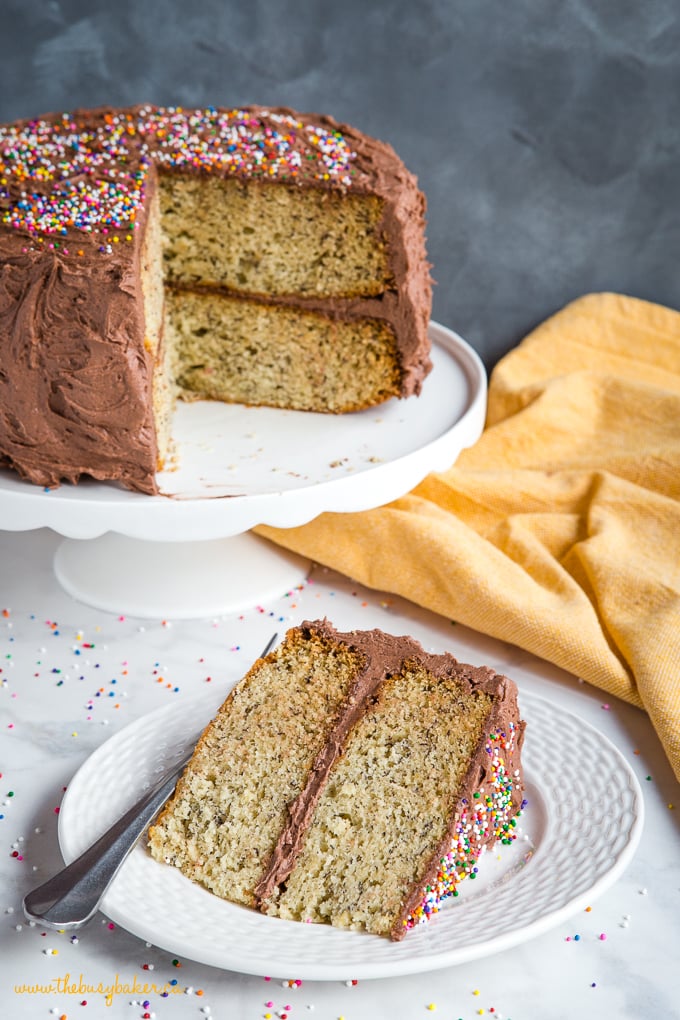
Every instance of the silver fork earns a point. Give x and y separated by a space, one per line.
70 898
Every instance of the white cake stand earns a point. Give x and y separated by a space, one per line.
187 553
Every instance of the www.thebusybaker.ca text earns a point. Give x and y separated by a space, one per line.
67 986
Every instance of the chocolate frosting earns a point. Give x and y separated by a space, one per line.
75 372
383 655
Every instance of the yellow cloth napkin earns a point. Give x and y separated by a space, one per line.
559 530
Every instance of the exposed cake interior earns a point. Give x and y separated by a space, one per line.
386 803
250 352
157 337
261 238
220 246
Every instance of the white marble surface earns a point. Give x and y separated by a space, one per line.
73 675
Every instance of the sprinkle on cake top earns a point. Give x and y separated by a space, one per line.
88 174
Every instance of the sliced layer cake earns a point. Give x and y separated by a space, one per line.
349 778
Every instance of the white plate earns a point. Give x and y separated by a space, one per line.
243 466
582 825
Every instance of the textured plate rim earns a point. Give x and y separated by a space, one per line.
436 956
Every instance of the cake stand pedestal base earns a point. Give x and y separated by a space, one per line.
180 580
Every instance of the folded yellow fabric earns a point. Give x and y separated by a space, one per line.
559 530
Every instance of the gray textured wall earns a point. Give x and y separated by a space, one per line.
545 134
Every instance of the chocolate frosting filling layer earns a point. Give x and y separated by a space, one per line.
76 370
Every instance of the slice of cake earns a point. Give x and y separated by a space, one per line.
349 778
256 256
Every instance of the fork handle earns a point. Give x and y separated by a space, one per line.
70 898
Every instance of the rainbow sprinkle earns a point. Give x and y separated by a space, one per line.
490 818
59 176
